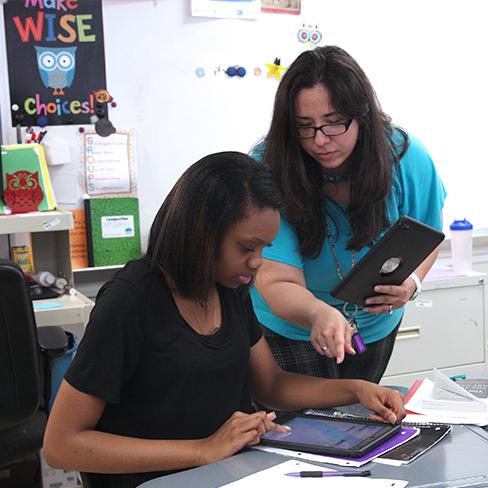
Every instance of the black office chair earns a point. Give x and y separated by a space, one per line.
24 373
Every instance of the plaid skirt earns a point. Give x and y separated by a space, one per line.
300 357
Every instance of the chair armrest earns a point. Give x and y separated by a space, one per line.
53 341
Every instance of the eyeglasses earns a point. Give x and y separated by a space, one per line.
334 129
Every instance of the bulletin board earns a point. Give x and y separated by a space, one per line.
426 59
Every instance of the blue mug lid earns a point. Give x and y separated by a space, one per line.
461 225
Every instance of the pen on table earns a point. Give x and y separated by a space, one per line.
327 474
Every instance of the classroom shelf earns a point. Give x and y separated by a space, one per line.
98 268
54 220
50 241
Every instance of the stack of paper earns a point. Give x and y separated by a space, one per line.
441 400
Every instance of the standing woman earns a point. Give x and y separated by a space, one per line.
346 174
172 356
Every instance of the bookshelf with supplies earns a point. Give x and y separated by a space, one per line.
445 328
50 247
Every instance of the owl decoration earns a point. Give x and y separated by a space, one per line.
56 67
23 193
309 35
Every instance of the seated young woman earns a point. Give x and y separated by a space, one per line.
173 355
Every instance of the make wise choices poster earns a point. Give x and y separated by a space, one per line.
55 55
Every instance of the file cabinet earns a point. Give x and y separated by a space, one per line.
445 329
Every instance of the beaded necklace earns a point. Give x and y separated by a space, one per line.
334 178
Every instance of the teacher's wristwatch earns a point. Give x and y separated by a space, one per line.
418 284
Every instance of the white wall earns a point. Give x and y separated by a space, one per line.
426 59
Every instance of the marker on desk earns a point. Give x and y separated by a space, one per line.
327 474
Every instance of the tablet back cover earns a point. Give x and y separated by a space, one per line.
407 242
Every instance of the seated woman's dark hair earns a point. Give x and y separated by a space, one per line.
212 195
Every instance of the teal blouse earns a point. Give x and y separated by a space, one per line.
416 191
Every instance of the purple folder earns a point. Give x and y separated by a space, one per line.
403 436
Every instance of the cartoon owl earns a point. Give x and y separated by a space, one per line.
23 192
309 35
56 67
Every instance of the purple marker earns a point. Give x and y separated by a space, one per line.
327 474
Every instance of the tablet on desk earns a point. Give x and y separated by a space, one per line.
390 261
325 435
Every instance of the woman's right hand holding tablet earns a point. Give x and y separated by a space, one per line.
330 334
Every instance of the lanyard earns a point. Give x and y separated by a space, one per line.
349 315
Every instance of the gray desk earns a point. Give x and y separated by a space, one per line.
462 456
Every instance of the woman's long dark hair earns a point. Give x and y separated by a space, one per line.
212 195
300 176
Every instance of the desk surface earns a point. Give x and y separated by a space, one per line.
461 456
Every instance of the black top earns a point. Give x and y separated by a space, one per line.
160 378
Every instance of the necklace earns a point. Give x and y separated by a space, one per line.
334 178
191 311
205 314
201 317
356 338
334 253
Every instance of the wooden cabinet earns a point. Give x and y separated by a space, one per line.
445 329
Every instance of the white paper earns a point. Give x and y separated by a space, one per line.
234 9
107 164
118 226
442 381
440 417
430 389
275 476
320 458
389 462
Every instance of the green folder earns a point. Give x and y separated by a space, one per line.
113 231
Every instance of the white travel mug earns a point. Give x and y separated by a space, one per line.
462 246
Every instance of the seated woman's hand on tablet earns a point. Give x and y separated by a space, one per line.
331 335
386 404
240 430
390 297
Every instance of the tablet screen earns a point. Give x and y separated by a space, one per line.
343 435
309 433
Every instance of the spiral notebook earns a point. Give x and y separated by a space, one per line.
345 415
